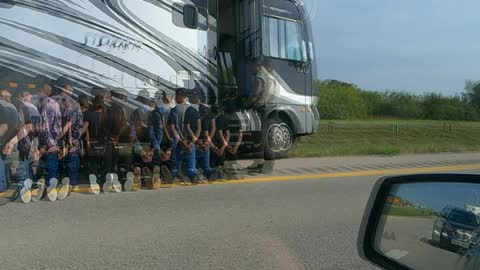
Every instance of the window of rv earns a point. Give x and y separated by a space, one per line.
283 38
190 16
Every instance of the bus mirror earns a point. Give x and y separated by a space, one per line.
304 51
302 64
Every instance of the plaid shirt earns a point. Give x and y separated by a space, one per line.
71 112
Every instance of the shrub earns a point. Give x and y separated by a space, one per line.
342 101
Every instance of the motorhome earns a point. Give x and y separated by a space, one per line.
160 45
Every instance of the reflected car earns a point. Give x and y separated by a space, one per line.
456 228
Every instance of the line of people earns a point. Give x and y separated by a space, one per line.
55 133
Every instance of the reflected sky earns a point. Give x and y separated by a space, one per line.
438 195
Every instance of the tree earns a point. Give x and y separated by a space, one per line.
472 89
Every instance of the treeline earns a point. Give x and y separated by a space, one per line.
342 101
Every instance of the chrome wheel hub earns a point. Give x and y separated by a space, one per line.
279 137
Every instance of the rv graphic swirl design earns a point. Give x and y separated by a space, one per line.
102 31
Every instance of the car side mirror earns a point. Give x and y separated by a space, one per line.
423 222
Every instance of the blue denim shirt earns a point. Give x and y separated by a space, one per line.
155 127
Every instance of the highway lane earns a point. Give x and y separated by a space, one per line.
309 223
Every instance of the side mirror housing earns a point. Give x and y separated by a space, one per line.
302 66
423 222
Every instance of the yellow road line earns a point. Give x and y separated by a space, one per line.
86 189
356 174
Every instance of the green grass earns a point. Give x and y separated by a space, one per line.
377 137
408 211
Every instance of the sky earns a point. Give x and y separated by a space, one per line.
411 45
438 195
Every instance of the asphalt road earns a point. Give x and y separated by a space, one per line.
310 223
277 225
412 238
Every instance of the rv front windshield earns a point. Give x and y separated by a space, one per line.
285 39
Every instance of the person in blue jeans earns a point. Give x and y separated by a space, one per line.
72 120
157 129
50 127
24 145
32 158
207 130
160 140
182 121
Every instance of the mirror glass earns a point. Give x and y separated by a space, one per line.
431 226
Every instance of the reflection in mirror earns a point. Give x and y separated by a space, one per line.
431 226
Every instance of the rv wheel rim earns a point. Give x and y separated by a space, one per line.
279 137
